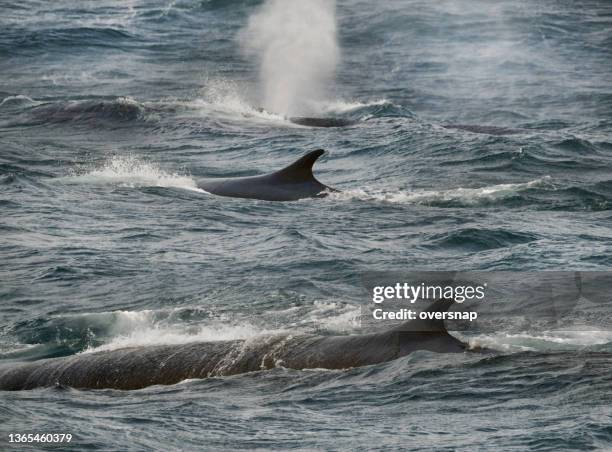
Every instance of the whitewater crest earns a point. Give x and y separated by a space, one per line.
140 328
130 171
112 330
542 341
462 196
19 99
230 102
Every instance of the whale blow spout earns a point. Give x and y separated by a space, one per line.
295 45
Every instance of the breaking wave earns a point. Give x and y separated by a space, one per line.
461 196
559 340
129 171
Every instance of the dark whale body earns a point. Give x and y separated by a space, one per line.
313 121
321 122
139 367
289 184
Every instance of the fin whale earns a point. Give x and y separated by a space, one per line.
291 183
314 121
321 122
139 367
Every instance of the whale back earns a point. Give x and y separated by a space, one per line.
139 367
291 183
321 122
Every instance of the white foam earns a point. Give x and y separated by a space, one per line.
225 99
337 317
321 315
545 340
129 171
128 100
161 327
342 106
224 95
172 335
467 196
164 327
142 328
17 99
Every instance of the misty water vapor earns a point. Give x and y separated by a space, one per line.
295 44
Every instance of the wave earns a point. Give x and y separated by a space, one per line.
129 171
455 197
342 106
594 197
221 102
69 334
103 331
487 130
17 100
17 40
74 333
228 100
119 112
120 109
329 316
478 239
552 340
144 330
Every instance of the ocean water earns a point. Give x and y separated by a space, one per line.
111 110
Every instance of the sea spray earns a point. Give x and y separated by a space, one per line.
129 171
457 196
295 44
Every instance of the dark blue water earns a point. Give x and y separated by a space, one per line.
110 111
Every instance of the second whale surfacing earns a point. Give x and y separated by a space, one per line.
308 121
139 367
314 121
292 183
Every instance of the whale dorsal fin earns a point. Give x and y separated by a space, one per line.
301 169
429 324
429 333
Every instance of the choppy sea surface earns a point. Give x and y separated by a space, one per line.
111 110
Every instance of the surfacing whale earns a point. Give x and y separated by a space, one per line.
294 182
139 367
321 122
314 121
